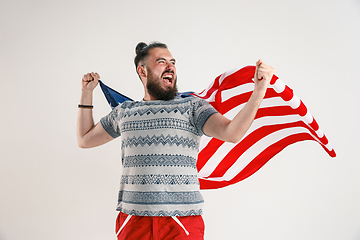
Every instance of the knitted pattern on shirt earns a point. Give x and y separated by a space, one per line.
159 148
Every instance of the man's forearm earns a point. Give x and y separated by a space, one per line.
88 134
238 127
233 130
85 121
243 120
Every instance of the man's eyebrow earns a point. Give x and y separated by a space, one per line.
171 60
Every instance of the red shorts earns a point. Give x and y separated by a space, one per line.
159 228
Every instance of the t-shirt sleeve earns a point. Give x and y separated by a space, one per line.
111 123
202 110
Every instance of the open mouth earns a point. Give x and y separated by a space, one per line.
168 78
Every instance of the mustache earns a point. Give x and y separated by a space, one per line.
167 71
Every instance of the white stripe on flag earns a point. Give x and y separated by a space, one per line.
228 73
294 102
278 86
204 140
232 92
308 118
319 133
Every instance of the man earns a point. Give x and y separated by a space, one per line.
159 195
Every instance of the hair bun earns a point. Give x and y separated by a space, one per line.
139 47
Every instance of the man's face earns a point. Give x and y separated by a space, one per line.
161 74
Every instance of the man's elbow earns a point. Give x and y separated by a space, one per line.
234 138
82 144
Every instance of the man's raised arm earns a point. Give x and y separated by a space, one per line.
227 130
88 134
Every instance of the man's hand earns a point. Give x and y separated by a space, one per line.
90 81
263 75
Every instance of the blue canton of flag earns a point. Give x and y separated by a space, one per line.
113 97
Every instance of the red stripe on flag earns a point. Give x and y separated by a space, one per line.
324 140
275 111
314 125
302 110
287 94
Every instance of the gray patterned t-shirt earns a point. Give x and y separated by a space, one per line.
159 148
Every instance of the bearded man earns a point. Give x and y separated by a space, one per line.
159 195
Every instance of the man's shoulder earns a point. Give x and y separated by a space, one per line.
128 104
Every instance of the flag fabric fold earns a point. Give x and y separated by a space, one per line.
282 119
113 97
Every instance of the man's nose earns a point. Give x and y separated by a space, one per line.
170 66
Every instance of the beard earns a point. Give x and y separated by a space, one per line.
155 89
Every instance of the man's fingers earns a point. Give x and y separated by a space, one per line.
97 75
257 72
92 74
88 78
258 63
263 71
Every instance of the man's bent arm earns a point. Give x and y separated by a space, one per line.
227 130
88 134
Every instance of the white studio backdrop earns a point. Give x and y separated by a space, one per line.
51 189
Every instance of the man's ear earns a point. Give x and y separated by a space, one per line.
142 71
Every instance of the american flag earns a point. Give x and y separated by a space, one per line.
282 119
